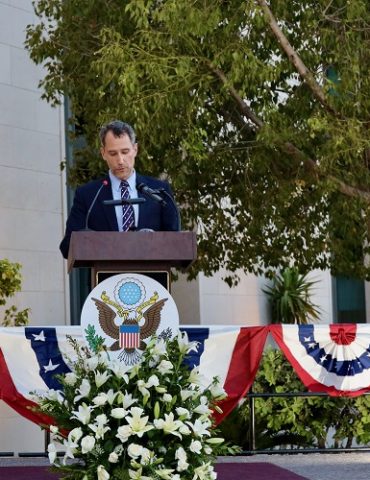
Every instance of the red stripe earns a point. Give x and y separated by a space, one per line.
243 367
15 400
312 384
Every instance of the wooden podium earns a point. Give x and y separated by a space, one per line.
110 253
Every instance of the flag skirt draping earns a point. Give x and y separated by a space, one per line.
334 359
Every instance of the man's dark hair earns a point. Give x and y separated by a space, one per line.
118 128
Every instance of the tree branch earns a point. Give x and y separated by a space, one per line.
288 147
301 68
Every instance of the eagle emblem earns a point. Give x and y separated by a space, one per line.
131 320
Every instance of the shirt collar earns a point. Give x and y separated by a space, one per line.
116 182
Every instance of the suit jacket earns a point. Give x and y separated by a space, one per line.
152 214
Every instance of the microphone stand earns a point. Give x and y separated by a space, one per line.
173 203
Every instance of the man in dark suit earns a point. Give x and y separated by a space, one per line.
119 150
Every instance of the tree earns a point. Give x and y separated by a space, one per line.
258 112
10 283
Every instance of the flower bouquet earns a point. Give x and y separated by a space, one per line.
153 421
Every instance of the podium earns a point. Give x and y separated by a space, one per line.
111 253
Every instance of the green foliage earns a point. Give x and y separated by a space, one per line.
299 422
290 300
94 341
269 161
10 283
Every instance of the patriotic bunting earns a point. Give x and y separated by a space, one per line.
328 358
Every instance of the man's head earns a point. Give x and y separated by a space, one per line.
119 148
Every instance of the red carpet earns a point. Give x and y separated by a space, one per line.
254 471
226 471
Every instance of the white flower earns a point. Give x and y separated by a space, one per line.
204 472
195 446
184 345
143 387
169 425
153 381
183 412
167 397
113 457
55 395
146 456
123 433
101 378
200 428
111 395
83 414
119 370
138 423
99 427
181 457
195 378
118 413
54 429
87 444
137 475
83 391
184 429
202 409
91 363
185 394
128 400
100 399
75 434
217 391
134 450
70 378
52 452
102 473
164 367
164 473
70 449
159 348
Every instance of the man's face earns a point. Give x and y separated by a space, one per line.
120 154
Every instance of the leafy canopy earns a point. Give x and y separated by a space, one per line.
258 112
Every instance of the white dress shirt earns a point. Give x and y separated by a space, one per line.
116 192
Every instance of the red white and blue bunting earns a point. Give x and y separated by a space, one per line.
328 358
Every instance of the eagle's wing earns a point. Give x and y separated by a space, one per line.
152 319
106 319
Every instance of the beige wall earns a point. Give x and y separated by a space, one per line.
31 196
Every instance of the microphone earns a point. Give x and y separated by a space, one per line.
104 184
124 201
149 192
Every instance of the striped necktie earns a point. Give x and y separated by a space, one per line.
128 219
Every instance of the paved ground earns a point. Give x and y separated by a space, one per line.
314 466
317 466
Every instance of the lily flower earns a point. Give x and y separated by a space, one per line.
83 414
83 391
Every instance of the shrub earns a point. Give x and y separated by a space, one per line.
10 283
